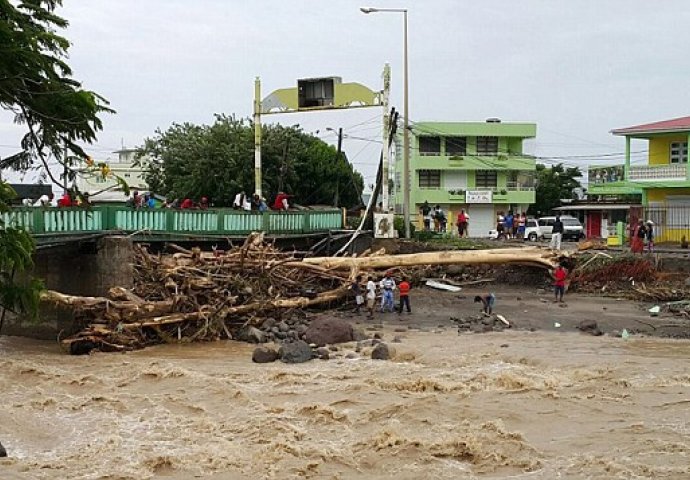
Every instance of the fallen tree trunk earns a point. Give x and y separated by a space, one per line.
521 256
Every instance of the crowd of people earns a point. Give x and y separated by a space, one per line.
511 225
434 216
386 287
242 201
366 295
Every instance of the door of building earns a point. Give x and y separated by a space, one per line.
482 220
593 225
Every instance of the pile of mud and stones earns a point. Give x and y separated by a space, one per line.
301 338
480 323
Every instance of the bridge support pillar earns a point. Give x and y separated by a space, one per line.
79 268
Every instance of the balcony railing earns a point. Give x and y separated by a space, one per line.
651 173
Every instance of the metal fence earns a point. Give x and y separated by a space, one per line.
40 220
671 223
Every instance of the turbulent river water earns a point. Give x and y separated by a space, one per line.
510 405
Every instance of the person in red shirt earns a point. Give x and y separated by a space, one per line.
404 289
559 275
281 202
187 204
65 201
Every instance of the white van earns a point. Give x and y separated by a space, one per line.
572 228
532 232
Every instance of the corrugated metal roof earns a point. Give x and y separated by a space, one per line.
674 125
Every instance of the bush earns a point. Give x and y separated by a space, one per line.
399 225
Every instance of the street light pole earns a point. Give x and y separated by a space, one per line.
406 116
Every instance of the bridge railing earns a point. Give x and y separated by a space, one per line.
39 220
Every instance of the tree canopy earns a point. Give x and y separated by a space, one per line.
36 85
217 161
553 184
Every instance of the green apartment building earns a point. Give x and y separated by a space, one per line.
476 166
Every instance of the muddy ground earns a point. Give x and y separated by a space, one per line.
532 308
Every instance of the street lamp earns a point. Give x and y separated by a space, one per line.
406 117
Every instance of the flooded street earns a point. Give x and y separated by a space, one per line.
509 405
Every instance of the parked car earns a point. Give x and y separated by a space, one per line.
532 231
572 228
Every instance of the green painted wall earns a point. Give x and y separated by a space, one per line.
510 139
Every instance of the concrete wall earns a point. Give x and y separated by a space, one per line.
87 268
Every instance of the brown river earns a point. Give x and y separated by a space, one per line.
506 405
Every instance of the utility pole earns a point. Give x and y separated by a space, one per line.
257 137
386 138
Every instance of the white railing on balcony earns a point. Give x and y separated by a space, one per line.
658 173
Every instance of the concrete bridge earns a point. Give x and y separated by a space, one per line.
86 251
49 225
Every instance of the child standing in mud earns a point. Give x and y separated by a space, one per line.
488 301
559 276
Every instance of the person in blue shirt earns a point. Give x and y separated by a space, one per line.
508 224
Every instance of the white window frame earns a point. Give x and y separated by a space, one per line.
678 152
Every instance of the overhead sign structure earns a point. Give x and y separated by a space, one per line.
314 94
479 196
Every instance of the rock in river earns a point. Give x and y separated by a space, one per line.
264 355
382 352
327 331
296 352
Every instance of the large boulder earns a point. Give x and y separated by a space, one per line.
296 352
3 452
264 355
382 351
326 331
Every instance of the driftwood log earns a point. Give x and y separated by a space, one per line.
194 296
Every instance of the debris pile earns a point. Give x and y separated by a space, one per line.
628 276
252 292
200 296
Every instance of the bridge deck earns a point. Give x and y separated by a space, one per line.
171 223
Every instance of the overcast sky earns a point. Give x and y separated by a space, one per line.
577 68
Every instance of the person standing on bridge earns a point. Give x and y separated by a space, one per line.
281 202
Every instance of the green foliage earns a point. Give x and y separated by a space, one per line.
36 85
399 225
217 161
16 249
553 184
424 235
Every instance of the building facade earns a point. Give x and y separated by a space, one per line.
478 167
662 179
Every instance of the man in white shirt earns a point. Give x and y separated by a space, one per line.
238 203
371 296
387 287
44 201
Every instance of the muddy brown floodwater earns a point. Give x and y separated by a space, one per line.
524 405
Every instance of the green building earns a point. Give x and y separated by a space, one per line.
476 166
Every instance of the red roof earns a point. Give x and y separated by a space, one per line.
674 125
